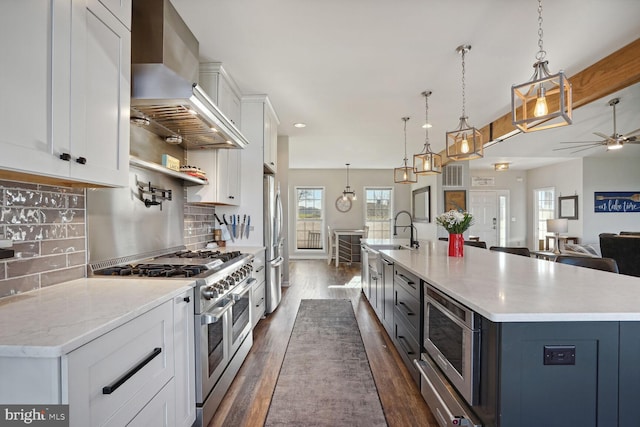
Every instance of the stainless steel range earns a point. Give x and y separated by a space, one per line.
222 321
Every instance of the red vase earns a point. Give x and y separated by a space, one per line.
456 245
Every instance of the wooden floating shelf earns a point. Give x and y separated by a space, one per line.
188 179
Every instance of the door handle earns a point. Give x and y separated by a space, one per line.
494 223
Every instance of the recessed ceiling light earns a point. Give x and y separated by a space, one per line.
427 125
300 125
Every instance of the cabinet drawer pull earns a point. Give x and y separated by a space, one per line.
231 197
260 303
65 156
409 312
113 387
387 262
259 269
82 160
409 281
186 299
402 341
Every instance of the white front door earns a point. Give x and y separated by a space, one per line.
484 208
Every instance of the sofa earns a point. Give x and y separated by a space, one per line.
625 249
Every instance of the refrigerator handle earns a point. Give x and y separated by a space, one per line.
277 237
277 262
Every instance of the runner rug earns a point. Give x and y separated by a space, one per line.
325 378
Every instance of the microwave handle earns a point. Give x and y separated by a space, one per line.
443 310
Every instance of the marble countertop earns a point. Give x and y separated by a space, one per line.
510 288
53 321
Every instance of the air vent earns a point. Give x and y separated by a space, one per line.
452 176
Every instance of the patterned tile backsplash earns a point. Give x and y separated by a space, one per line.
47 225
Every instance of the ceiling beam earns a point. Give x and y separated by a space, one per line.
611 74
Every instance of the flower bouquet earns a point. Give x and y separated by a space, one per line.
456 223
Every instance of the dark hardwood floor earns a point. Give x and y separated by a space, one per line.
247 401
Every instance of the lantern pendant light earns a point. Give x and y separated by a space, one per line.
465 142
347 192
404 174
427 162
544 102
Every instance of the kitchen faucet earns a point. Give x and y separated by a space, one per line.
412 243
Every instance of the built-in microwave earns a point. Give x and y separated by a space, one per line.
452 340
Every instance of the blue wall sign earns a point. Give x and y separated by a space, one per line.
617 202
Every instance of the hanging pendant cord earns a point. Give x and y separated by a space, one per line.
541 52
405 140
464 99
426 122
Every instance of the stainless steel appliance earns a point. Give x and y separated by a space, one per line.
273 240
450 368
223 335
164 91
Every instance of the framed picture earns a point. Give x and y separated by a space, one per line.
422 204
616 201
568 207
455 199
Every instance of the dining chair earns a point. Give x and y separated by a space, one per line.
475 243
604 264
516 250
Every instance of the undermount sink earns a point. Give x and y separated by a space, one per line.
394 247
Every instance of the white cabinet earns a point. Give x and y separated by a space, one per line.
121 9
140 373
260 126
223 168
184 361
221 88
257 308
113 377
64 112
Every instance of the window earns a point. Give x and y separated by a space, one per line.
379 212
544 209
309 218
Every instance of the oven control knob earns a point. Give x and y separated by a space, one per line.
229 283
219 286
209 292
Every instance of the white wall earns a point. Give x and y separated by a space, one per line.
566 179
608 174
334 182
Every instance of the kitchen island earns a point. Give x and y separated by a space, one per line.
526 307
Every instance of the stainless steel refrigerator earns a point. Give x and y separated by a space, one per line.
273 240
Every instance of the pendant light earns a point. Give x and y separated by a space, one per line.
347 192
465 142
427 162
404 174
544 102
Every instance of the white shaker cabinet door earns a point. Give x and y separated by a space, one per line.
100 75
35 52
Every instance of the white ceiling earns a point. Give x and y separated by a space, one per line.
350 69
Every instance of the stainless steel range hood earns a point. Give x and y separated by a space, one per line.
165 66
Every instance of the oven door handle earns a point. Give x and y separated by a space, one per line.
237 295
216 314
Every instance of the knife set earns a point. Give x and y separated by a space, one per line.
234 228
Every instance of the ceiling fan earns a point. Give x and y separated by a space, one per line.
613 142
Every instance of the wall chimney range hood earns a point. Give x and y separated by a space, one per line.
165 67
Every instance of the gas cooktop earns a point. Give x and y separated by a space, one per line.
184 263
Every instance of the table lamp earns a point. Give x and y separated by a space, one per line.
557 226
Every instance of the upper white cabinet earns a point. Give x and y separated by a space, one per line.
121 9
223 171
64 111
221 88
260 126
